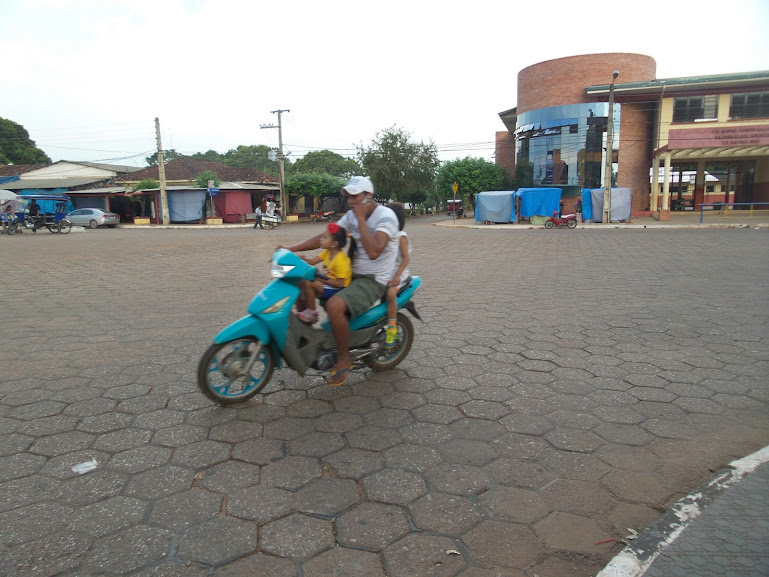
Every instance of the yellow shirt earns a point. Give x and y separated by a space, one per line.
339 267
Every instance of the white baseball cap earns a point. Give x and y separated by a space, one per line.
358 184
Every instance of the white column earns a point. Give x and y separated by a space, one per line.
655 185
666 184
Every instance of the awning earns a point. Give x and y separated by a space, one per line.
714 152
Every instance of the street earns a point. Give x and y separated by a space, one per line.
565 387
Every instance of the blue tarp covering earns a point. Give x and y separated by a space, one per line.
48 205
620 203
538 201
495 206
4 179
587 205
186 205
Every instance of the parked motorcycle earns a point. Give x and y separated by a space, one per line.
319 216
244 355
567 220
11 223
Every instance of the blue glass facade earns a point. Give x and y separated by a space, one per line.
564 145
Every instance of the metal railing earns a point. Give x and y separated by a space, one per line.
725 207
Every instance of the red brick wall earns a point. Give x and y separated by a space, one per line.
563 81
636 121
505 152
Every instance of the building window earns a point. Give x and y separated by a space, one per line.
695 109
565 145
710 188
749 105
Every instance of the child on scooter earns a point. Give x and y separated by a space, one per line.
399 276
336 265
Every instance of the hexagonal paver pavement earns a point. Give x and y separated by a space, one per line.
298 536
217 540
372 526
537 414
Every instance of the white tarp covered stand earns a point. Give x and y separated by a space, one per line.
495 206
620 203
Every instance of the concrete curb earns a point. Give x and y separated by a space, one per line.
635 559
623 226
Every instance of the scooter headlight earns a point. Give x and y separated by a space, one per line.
275 307
280 270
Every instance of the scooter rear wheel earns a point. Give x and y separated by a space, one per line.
384 360
222 375
572 224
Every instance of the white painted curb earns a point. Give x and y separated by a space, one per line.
635 559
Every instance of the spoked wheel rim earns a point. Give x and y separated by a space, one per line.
224 375
385 359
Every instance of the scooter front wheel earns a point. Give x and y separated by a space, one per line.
235 371
385 359
549 224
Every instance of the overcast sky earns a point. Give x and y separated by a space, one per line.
87 78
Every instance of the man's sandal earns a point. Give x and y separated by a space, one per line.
338 378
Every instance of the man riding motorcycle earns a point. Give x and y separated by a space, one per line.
371 227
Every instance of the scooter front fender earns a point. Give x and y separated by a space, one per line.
248 326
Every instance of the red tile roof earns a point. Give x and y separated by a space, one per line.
186 169
14 169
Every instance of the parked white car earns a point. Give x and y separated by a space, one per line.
93 218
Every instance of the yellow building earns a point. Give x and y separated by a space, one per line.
710 141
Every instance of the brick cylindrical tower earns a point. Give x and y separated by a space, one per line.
563 81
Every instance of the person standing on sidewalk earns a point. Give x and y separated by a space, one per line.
258 218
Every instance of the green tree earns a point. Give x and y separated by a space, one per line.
314 184
16 147
472 175
168 156
252 156
210 155
145 184
204 177
327 162
398 167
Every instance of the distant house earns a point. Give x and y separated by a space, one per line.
12 172
89 184
241 190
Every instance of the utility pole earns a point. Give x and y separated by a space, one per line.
162 174
281 157
609 153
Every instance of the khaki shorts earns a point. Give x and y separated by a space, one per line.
361 294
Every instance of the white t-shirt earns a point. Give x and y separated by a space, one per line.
382 219
398 258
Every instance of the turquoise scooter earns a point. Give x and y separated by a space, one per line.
244 355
